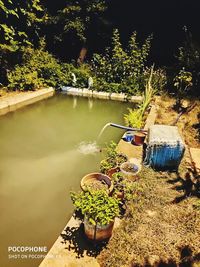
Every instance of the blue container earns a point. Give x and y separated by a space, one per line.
165 148
128 136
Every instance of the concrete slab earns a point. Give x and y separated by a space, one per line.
72 249
135 99
120 97
101 95
11 103
132 151
151 118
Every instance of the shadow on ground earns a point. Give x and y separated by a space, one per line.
187 259
189 184
75 239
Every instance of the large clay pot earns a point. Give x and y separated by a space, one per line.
90 178
139 138
97 232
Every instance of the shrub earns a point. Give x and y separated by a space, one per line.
24 79
112 158
159 78
119 69
133 118
82 74
39 68
182 82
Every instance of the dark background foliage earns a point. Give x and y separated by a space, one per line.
165 19
76 30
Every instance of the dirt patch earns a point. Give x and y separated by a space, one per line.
188 124
160 227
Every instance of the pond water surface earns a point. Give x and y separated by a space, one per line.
45 150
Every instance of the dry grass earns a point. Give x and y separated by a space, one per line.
161 227
189 124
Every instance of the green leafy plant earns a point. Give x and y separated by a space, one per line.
106 165
97 206
82 74
19 27
135 117
111 150
130 189
188 56
148 94
75 19
119 69
158 80
39 69
112 158
182 82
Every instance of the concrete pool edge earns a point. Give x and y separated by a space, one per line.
12 103
101 95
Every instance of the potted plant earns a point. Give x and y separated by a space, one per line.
113 160
96 181
123 188
138 138
130 170
99 210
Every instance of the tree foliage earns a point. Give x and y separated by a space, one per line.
38 69
77 17
188 64
19 23
121 69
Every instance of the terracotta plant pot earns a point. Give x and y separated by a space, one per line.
111 171
97 232
139 138
120 194
96 181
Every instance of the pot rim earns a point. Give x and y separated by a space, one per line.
104 177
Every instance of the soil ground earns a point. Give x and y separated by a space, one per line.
188 124
161 226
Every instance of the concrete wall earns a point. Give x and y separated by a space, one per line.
101 95
11 103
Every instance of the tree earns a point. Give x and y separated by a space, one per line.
19 26
19 23
78 21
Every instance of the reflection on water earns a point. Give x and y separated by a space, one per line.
42 158
74 102
90 103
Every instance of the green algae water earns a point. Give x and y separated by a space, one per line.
45 150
